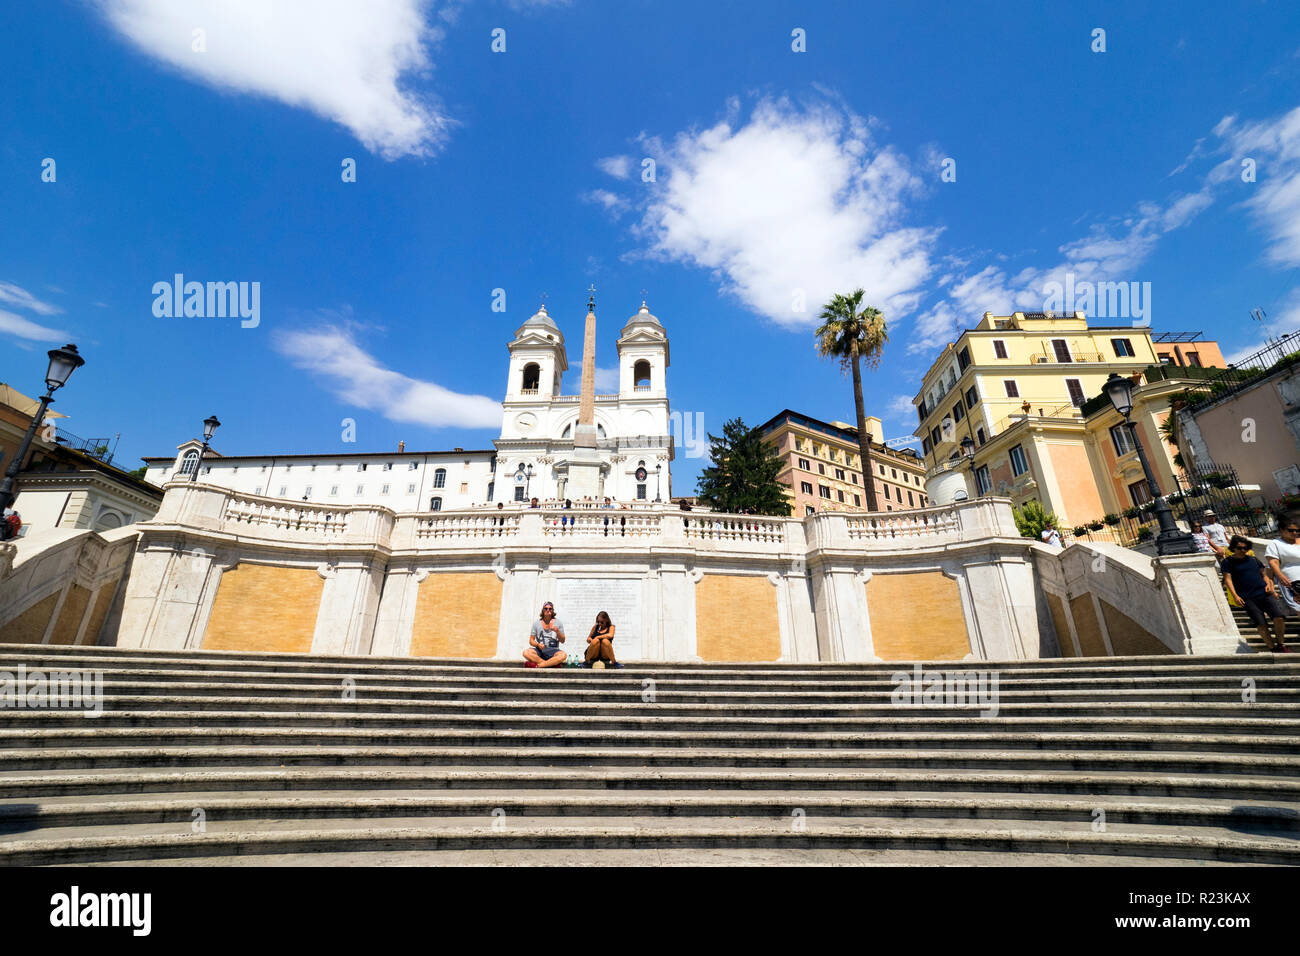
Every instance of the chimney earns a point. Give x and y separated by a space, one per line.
401 446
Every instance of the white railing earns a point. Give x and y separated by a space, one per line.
903 524
720 527
467 524
604 522
261 513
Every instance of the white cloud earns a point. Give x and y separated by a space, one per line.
351 63
1274 145
620 167
900 408
615 205
357 377
25 328
792 204
22 299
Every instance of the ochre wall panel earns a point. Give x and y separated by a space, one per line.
916 616
29 627
264 608
736 618
74 606
1127 636
457 614
1062 625
1085 625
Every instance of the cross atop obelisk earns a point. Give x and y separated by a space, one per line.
584 436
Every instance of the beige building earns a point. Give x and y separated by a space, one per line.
1016 386
822 466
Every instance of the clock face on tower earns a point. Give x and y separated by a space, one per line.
526 421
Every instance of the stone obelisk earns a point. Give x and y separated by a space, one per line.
584 466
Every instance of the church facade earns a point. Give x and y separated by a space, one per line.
543 449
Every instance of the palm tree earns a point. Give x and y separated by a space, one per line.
854 335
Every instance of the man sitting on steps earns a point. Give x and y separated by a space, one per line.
544 640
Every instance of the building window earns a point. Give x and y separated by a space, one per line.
1075 388
306 492
979 436
925 445
435 504
1062 350
857 501
190 462
893 473
831 454
383 489
854 477
640 492
1123 347
1167 359
1139 492
839 474
641 376
841 496
821 469
798 444
911 502
982 483
886 487
334 490
519 493
415 464
491 488
972 396
963 358
1194 359
806 487
803 463
1012 390
1018 463
934 437
958 413
410 490
999 348
1122 439
388 466
824 491
440 478
361 466
284 491
361 489
882 470
809 510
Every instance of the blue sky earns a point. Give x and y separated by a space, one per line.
780 176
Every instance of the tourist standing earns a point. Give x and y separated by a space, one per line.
1245 581
1283 557
1051 535
1216 532
1200 538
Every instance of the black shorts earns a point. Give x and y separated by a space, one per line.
546 653
1262 608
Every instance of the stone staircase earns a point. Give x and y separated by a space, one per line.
220 758
1250 633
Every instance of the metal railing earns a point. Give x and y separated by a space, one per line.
1049 358
1275 356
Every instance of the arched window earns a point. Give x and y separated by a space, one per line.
440 478
491 488
641 376
532 377
435 504
568 430
107 520
189 462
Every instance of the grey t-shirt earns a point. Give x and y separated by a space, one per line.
547 637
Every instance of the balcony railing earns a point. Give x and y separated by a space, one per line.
1048 358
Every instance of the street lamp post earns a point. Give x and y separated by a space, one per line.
63 362
528 483
210 425
1170 540
658 469
968 453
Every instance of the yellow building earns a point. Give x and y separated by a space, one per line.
1016 385
823 472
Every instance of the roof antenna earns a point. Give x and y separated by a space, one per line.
1259 315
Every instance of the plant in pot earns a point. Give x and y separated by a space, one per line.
1130 513
1174 499
1080 531
1145 533
1096 524
1111 519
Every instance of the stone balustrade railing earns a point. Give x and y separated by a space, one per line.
208 508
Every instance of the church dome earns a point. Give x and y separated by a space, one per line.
541 318
643 317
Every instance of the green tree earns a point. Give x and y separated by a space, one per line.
854 335
1031 519
742 476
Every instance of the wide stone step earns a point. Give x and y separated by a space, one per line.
661 739
23 820
601 835
22 723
